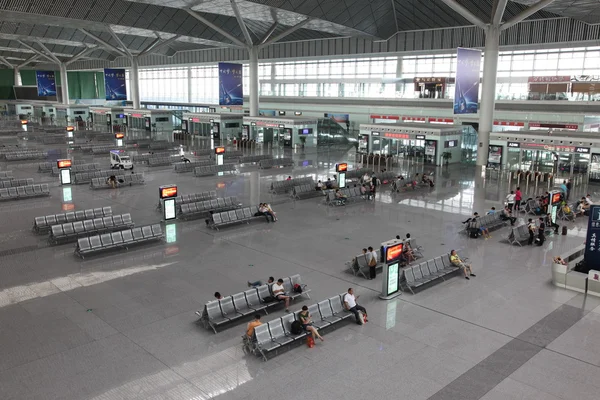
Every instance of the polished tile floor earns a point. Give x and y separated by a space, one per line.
122 325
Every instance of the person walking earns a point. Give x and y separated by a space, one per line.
518 198
510 199
531 228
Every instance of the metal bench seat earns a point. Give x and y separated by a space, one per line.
71 231
114 240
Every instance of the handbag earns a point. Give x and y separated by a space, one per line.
310 342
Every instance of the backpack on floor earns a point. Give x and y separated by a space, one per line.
296 328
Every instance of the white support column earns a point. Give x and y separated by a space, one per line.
254 84
134 83
64 83
488 92
17 73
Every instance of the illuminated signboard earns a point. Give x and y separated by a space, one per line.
555 198
119 135
396 135
514 145
584 150
373 133
65 176
393 253
420 137
137 115
70 128
169 209
166 192
63 163
393 280
219 150
195 119
342 167
24 122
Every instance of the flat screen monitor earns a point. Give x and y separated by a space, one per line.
169 209
166 192
393 278
393 253
555 198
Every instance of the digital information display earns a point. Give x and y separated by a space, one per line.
219 159
69 134
70 128
64 163
65 176
555 198
342 167
166 192
393 253
169 209
393 279
341 180
219 150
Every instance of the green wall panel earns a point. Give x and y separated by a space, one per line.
7 80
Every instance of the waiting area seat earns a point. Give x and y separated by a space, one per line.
25 155
357 173
69 231
489 221
431 271
159 145
229 154
360 266
160 160
276 335
6 175
192 198
24 192
43 224
122 180
180 167
349 195
280 187
117 240
276 162
215 169
200 208
518 235
239 216
217 313
305 192
82 178
15 183
254 159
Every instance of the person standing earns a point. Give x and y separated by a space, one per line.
351 305
531 228
518 198
569 185
374 181
510 199
541 233
552 224
372 262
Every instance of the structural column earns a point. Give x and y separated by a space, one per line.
64 83
254 84
17 73
134 83
488 92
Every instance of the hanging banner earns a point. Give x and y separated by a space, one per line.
495 154
46 83
231 88
466 90
592 251
114 84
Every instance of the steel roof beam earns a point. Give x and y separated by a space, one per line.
216 28
498 11
48 52
36 51
80 54
3 61
526 13
155 45
460 9
29 60
103 43
118 40
269 32
240 20
286 32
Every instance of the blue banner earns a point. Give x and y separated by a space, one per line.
231 84
466 91
114 84
592 251
46 83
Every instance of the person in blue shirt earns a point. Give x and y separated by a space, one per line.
563 187
492 211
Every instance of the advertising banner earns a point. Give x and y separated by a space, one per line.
46 83
592 251
430 147
466 92
495 154
231 88
114 84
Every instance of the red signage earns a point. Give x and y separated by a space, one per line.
555 198
63 163
219 150
442 120
70 128
167 192
195 119
415 119
509 123
343 167
24 122
548 79
556 126
119 135
396 135
137 115
373 116
394 252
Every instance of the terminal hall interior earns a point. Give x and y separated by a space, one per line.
247 199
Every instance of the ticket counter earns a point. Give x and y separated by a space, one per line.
112 118
221 127
281 131
69 114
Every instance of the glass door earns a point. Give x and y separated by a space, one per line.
513 159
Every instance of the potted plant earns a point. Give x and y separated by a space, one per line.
446 156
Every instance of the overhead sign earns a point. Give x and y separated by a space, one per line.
231 89
466 92
70 128
342 167
119 135
583 150
514 145
166 192
592 251
46 83
396 135
420 137
63 164
555 147
114 84
393 253
219 150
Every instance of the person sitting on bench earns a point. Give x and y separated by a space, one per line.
455 260
279 293
319 186
259 283
351 305
112 181
185 159
507 215
264 209
339 196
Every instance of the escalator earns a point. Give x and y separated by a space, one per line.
331 133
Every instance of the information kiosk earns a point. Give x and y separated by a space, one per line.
392 252
554 201
341 170
119 137
219 154
70 129
64 167
167 195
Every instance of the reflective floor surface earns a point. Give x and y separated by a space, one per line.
122 325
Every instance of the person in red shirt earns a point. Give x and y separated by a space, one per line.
518 198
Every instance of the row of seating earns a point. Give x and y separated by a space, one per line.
181 167
102 149
276 162
86 177
192 198
53 139
350 195
214 169
25 155
489 221
122 180
77 168
160 160
357 173
285 186
24 192
47 166
159 145
239 216
518 235
430 271
359 265
72 230
305 192
16 182
229 154
6 175
198 208
43 224
220 312
116 240
276 334
254 159
203 152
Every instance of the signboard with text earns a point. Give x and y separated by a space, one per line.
231 89
46 83
592 251
466 92
114 84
